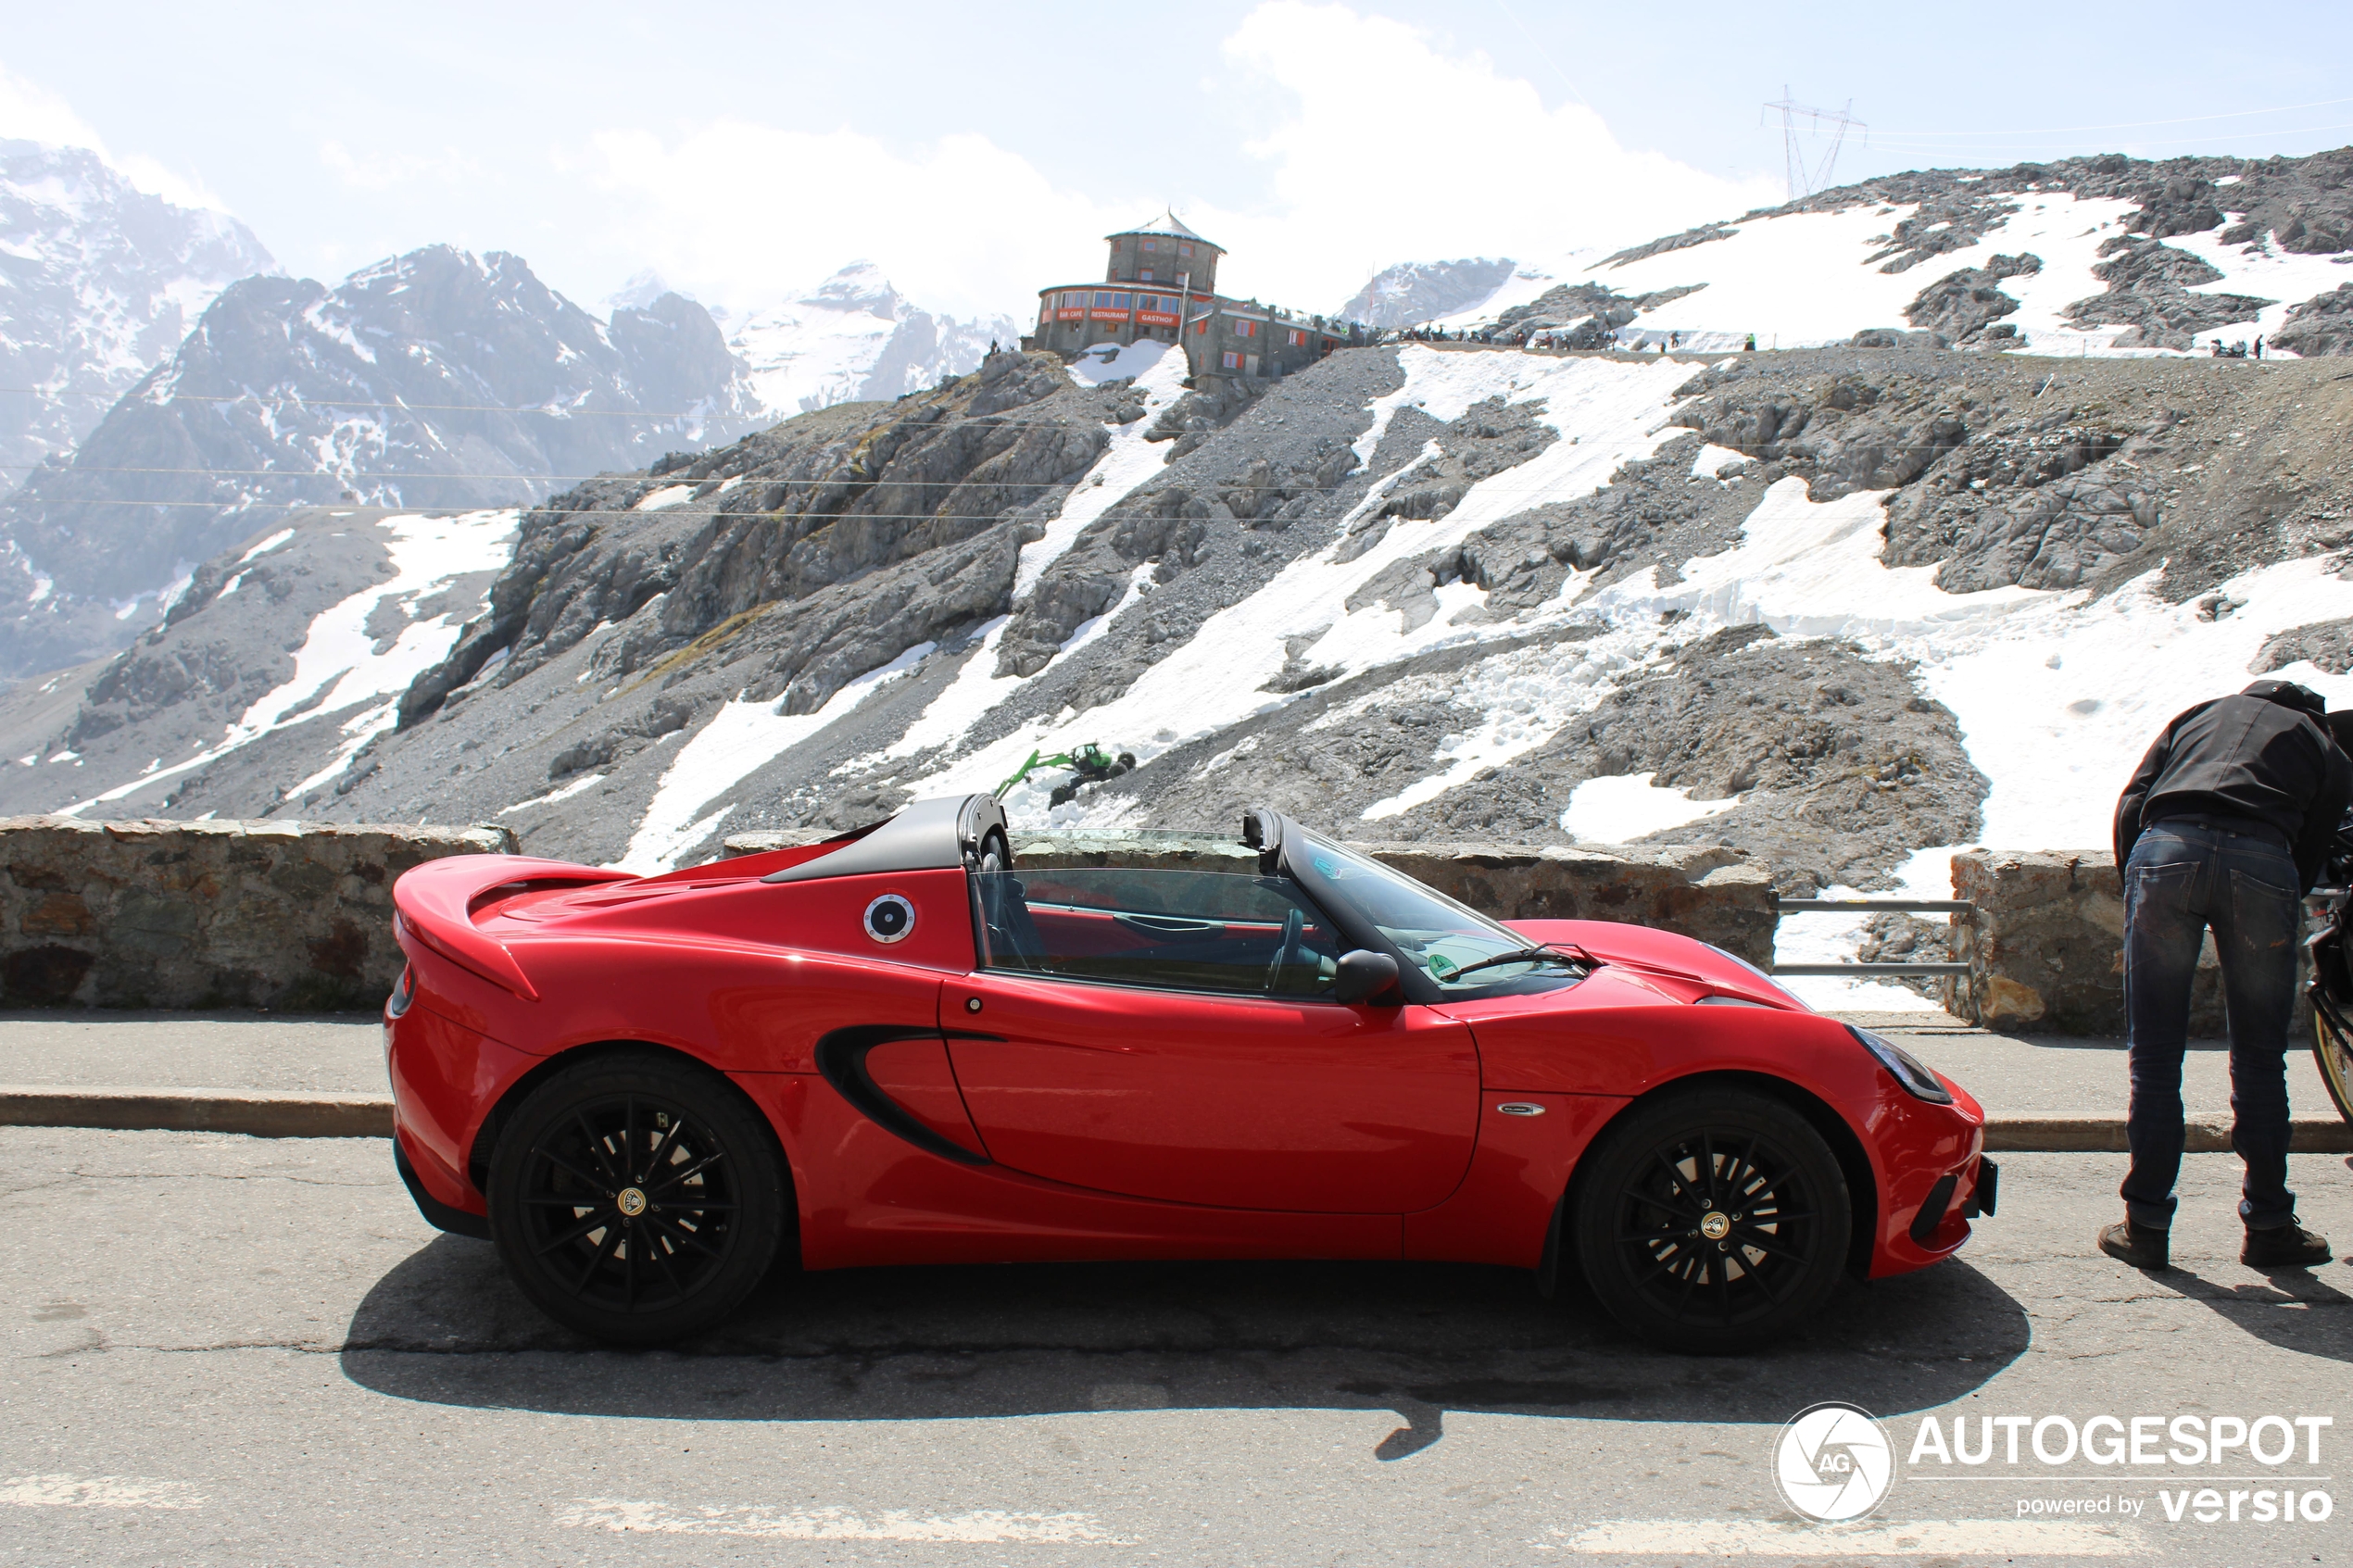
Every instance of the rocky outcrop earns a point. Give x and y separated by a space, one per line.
2053 536
287 916
2328 644
831 506
1579 315
1960 306
1850 433
2321 326
2039 508
2149 290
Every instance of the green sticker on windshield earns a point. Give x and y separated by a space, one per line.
1442 966
1324 867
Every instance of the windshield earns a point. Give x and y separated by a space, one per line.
1430 931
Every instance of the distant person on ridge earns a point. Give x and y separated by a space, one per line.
1751 346
2226 824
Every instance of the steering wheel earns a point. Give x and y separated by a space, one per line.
1286 950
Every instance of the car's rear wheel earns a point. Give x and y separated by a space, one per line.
1711 1220
636 1197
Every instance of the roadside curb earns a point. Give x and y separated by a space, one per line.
267 1113
2105 1135
261 1114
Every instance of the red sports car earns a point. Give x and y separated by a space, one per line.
896 1046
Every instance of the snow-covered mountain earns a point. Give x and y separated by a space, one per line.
1415 291
2088 255
98 283
437 379
1840 607
855 338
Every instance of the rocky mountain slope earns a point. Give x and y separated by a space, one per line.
2085 256
437 379
854 338
98 283
1834 607
1840 608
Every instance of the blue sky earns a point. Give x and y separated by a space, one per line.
978 152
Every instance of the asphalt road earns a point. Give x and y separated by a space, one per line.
221 1349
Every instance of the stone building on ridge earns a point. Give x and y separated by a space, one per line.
1161 283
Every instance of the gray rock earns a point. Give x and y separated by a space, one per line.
1959 305
2320 326
2328 644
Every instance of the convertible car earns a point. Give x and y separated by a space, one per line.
898 1046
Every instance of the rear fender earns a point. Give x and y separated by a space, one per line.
435 901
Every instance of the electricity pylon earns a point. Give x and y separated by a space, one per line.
1803 182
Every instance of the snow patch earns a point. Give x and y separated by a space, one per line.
1126 463
739 739
664 498
1622 809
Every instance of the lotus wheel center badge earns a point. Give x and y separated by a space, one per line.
1714 1225
631 1202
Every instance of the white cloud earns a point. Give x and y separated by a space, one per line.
743 213
1390 151
30 112
381 171
1398 151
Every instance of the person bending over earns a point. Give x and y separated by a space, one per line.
2226 824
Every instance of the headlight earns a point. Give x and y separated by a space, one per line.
1907 1069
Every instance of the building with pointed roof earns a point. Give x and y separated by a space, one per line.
1161 284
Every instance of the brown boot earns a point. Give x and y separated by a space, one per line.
2143 1246
2283 1246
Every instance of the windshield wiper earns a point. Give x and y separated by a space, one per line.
1570 958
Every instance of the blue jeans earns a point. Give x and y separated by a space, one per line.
2183 878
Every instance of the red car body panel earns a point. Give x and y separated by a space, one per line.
1236 1102
1079 1121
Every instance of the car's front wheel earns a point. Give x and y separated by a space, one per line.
1712 1220
636 1197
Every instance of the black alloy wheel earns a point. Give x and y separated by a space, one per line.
1712 1221
636 1197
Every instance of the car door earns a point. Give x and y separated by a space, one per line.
1158 1034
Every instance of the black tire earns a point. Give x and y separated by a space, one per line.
636 1197
2333 1052
1649 1199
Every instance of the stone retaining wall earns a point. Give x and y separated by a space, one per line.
2046 947
1704 891
290 916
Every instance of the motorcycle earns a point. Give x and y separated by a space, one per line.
2331 990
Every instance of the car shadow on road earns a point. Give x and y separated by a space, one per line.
1420 1339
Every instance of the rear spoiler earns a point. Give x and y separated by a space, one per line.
434 904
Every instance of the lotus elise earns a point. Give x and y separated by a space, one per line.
899 1047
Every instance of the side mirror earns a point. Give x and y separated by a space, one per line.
1366 976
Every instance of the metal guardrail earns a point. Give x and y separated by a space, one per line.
1872 971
